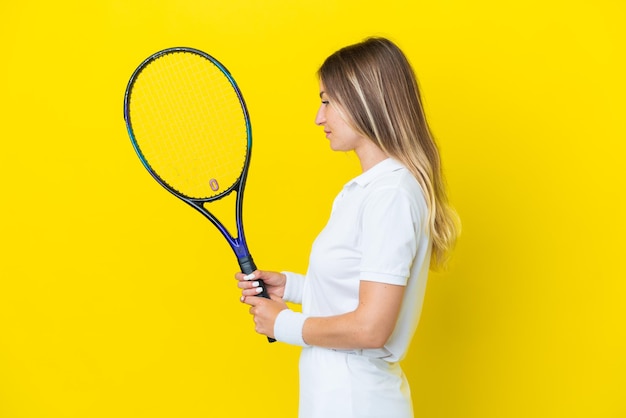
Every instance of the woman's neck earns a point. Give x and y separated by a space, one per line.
370 155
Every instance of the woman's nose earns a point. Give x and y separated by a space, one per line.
320 117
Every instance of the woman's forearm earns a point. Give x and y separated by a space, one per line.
368 326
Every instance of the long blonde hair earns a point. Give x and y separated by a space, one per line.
375 85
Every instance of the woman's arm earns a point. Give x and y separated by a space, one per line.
369 326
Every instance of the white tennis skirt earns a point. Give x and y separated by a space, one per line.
339 384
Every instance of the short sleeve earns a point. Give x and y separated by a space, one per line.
391 224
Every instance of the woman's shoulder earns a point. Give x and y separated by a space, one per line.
399 178
398 185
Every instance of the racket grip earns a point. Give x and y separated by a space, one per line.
247 266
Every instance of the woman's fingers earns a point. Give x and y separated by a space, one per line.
250 288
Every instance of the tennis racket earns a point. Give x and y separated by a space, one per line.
190 127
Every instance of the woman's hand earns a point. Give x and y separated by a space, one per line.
264 312
274 283
262 309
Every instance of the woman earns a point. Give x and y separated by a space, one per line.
363 291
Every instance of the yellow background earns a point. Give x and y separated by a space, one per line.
117 300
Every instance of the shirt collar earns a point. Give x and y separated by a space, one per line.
385 166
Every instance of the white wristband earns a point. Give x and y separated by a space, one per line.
288 327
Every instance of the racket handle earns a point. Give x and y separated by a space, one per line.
247 266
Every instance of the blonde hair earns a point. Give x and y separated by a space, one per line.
375 86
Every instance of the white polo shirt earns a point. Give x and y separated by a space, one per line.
377 231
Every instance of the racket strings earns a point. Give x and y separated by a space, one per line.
189 124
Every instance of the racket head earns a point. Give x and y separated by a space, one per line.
189 124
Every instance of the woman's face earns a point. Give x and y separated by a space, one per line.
341 135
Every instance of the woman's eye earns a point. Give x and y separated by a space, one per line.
324 102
